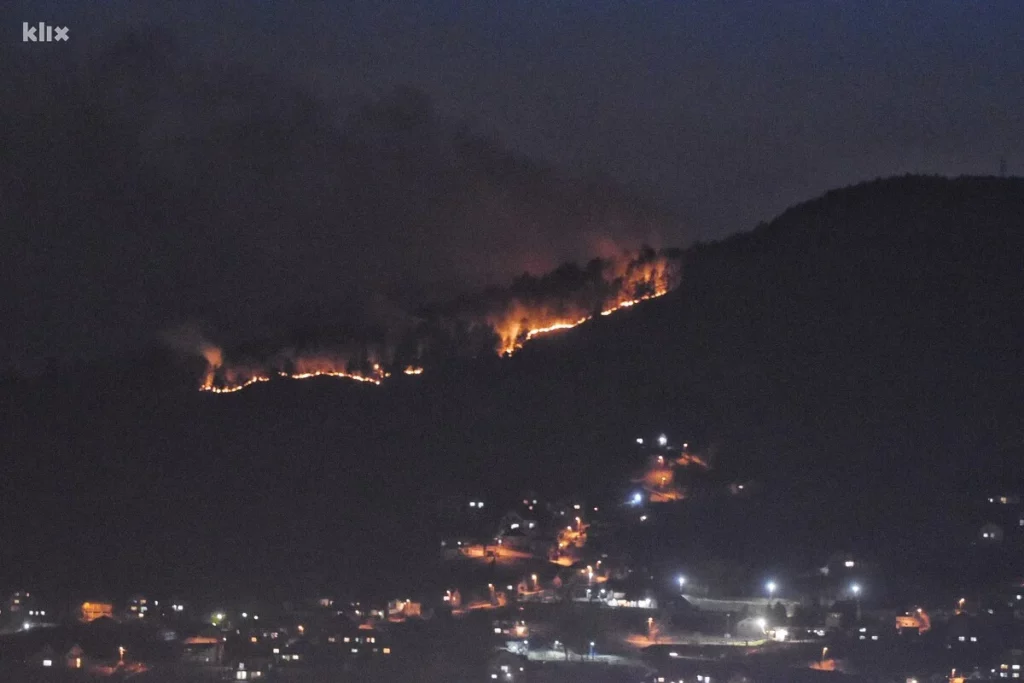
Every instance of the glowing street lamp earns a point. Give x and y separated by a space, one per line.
662 440
682 582
855 589
120 653
771 586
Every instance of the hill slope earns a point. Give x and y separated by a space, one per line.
860 354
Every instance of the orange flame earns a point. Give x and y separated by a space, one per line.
635 282
622 284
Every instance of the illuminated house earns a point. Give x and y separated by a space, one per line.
138 607
203 650
75 658
246 671
46 658
91 611
404 609
1010 665
360 643
18 602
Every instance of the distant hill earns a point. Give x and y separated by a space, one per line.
860 355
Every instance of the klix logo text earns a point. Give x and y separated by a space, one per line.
42 33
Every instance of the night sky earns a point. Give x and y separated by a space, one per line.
204 174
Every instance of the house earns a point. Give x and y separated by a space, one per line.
404 609
1010 665
91 611
360 642
203 649
517 539
138 607
505 665
75 657
46 658
965 631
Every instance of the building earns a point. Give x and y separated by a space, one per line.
203 650
1010 665
91 611
138 607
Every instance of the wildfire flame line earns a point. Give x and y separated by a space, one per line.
516 322
509 348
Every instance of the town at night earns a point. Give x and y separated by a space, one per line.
431 342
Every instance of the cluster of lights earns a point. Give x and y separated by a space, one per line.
479 504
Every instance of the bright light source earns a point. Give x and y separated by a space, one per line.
638 498
762 623
855 589
245 615
771 586
682 581
849 563
662 440
643 518
47 662
640 441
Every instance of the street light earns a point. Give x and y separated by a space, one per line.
771 586
855 589
682 582
662 440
